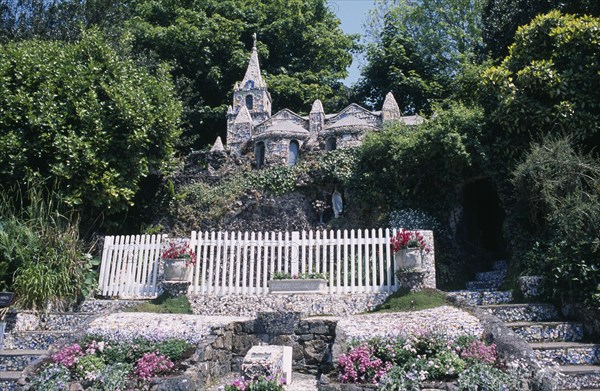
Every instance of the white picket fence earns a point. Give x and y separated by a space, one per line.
242 263
129 267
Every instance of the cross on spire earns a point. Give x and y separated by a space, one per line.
254 37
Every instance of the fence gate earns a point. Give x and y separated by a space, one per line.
129 266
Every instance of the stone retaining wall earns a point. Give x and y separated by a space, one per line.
224 349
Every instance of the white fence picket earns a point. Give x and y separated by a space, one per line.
129 266
242 263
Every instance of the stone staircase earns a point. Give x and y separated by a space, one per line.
555 341
28 338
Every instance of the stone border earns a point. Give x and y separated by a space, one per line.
307 304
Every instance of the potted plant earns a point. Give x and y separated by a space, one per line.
285 283
408 247
178 258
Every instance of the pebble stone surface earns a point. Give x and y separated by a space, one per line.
449 321
126 326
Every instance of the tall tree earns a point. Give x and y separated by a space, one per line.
548 85
302 49
501 18
418 47
86 117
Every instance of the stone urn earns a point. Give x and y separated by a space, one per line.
177 270
409 258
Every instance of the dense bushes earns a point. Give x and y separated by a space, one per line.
86 116
41 257
557 219
107 365
405 363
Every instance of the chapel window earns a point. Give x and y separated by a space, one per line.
259 153
294 151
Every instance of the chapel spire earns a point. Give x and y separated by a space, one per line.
253 78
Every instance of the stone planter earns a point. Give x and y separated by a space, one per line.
409 258
176 270
412 280
288 287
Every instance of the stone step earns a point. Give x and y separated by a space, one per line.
36 340
66 321
8 380
523 312
54 321
483 285
548 331
483 297
500 266
567 353
17 360
495 275
579 377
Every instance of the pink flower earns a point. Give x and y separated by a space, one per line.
151 364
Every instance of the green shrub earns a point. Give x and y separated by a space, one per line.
41 256
557 209
113 377
53 377
89 367
484 377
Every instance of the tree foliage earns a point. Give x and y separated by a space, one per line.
90 119
549 84
302 49
396 165
418 47
502 18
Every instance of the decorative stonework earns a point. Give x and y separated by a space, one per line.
249 122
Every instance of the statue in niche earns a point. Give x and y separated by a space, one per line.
338 204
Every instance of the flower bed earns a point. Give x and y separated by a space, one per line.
101 365
411 362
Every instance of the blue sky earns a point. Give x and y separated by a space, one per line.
353 14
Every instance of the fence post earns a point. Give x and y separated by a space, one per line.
294 252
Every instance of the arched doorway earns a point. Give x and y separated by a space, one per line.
331 144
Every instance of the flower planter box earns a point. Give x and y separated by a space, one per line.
288 287
177 270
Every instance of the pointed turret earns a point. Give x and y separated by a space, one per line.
317 107
316 117
390 110
218 145
243 116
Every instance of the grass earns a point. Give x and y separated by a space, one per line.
164 304
402 301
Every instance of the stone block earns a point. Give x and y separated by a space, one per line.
268 360
276 323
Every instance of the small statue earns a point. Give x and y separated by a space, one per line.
338 204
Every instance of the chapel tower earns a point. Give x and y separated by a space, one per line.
251 99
